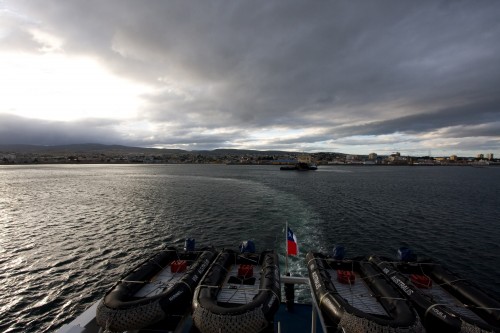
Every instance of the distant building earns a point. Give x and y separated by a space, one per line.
305 159
372 156
480 156
7 157
453 158
396 158
489 156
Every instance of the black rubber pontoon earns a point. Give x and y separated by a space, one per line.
214 314
479 312
121 309
375 306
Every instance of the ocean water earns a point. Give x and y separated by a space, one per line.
67 232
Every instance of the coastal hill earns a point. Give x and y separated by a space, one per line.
117 149
81 148
101 153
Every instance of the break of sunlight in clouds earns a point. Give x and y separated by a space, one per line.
58 87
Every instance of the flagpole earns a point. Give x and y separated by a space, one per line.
286 247
289 287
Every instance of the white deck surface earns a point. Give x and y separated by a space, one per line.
239 293
161 282
358 294
441 296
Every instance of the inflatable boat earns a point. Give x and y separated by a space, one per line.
239 293
353 296
444 301
158 289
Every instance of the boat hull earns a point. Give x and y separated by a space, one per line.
395 315
436 315
300 167
121 309
212 316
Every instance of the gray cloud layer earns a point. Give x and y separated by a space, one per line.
223 69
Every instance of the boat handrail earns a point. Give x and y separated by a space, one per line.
294 279
315 310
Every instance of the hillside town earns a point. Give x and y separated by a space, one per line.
124 155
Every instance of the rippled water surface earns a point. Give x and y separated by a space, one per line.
68 231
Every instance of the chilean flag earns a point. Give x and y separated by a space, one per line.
291 244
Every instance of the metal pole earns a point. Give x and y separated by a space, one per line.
313 320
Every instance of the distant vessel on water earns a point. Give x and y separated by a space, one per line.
304 163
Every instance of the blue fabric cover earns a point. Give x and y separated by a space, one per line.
338 252
189 244
247 246
406 254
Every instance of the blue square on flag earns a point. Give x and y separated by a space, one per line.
291 244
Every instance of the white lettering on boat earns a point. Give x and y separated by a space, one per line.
328 303
402 285
174 296
200 271
439 313
315 277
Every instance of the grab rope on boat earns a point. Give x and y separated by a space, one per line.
367 277
480 307
138 282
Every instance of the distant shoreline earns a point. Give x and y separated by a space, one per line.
114 154
492 164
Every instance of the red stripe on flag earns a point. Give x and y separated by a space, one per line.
292 248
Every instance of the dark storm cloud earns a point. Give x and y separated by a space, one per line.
18 130
342 68
190 139
473 114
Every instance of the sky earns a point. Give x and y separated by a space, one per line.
416 77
